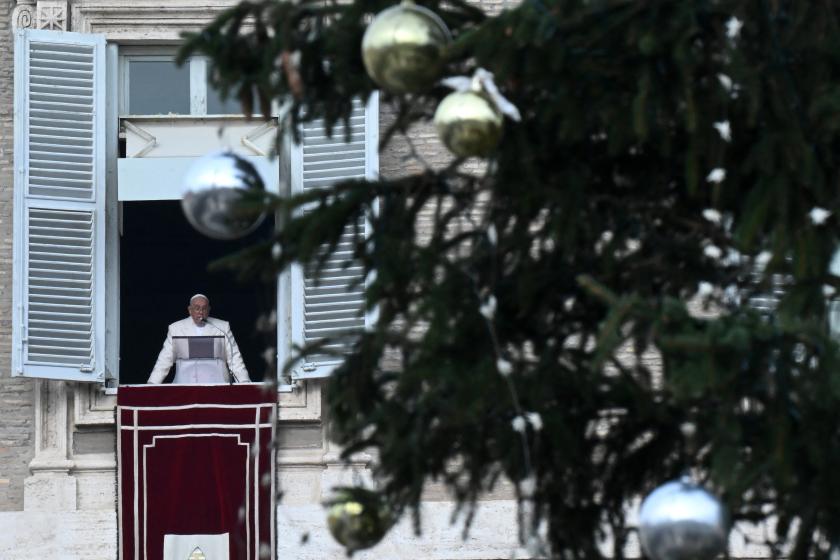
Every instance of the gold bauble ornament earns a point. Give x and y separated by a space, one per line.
357 518
403 48
468 123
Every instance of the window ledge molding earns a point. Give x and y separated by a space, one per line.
89 463
94 405
256 121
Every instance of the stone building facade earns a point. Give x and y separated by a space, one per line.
57 450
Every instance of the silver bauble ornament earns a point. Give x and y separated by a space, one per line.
358 518
468 123
403 48
834 303
214 191
682 521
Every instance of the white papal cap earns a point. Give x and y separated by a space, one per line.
198 296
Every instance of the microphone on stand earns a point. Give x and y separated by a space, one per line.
207 321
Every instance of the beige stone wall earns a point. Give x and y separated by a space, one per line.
16 394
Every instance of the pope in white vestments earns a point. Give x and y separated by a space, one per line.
227 360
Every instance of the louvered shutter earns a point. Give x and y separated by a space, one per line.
331 304
59 202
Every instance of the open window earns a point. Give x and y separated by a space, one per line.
103 258
163 127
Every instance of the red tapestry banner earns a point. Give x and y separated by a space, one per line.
196 470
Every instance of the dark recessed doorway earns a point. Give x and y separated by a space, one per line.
164 261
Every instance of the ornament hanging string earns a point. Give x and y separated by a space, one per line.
482 82
487 308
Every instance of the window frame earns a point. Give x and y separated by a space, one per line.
117 94
199 86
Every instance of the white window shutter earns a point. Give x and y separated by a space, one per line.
333 303
59 202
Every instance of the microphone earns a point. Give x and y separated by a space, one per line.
207 321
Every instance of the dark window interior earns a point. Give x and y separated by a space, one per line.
164 261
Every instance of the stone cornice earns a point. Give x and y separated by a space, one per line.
144 21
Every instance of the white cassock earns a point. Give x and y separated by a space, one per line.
203 370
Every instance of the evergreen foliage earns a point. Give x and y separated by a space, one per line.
600 230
